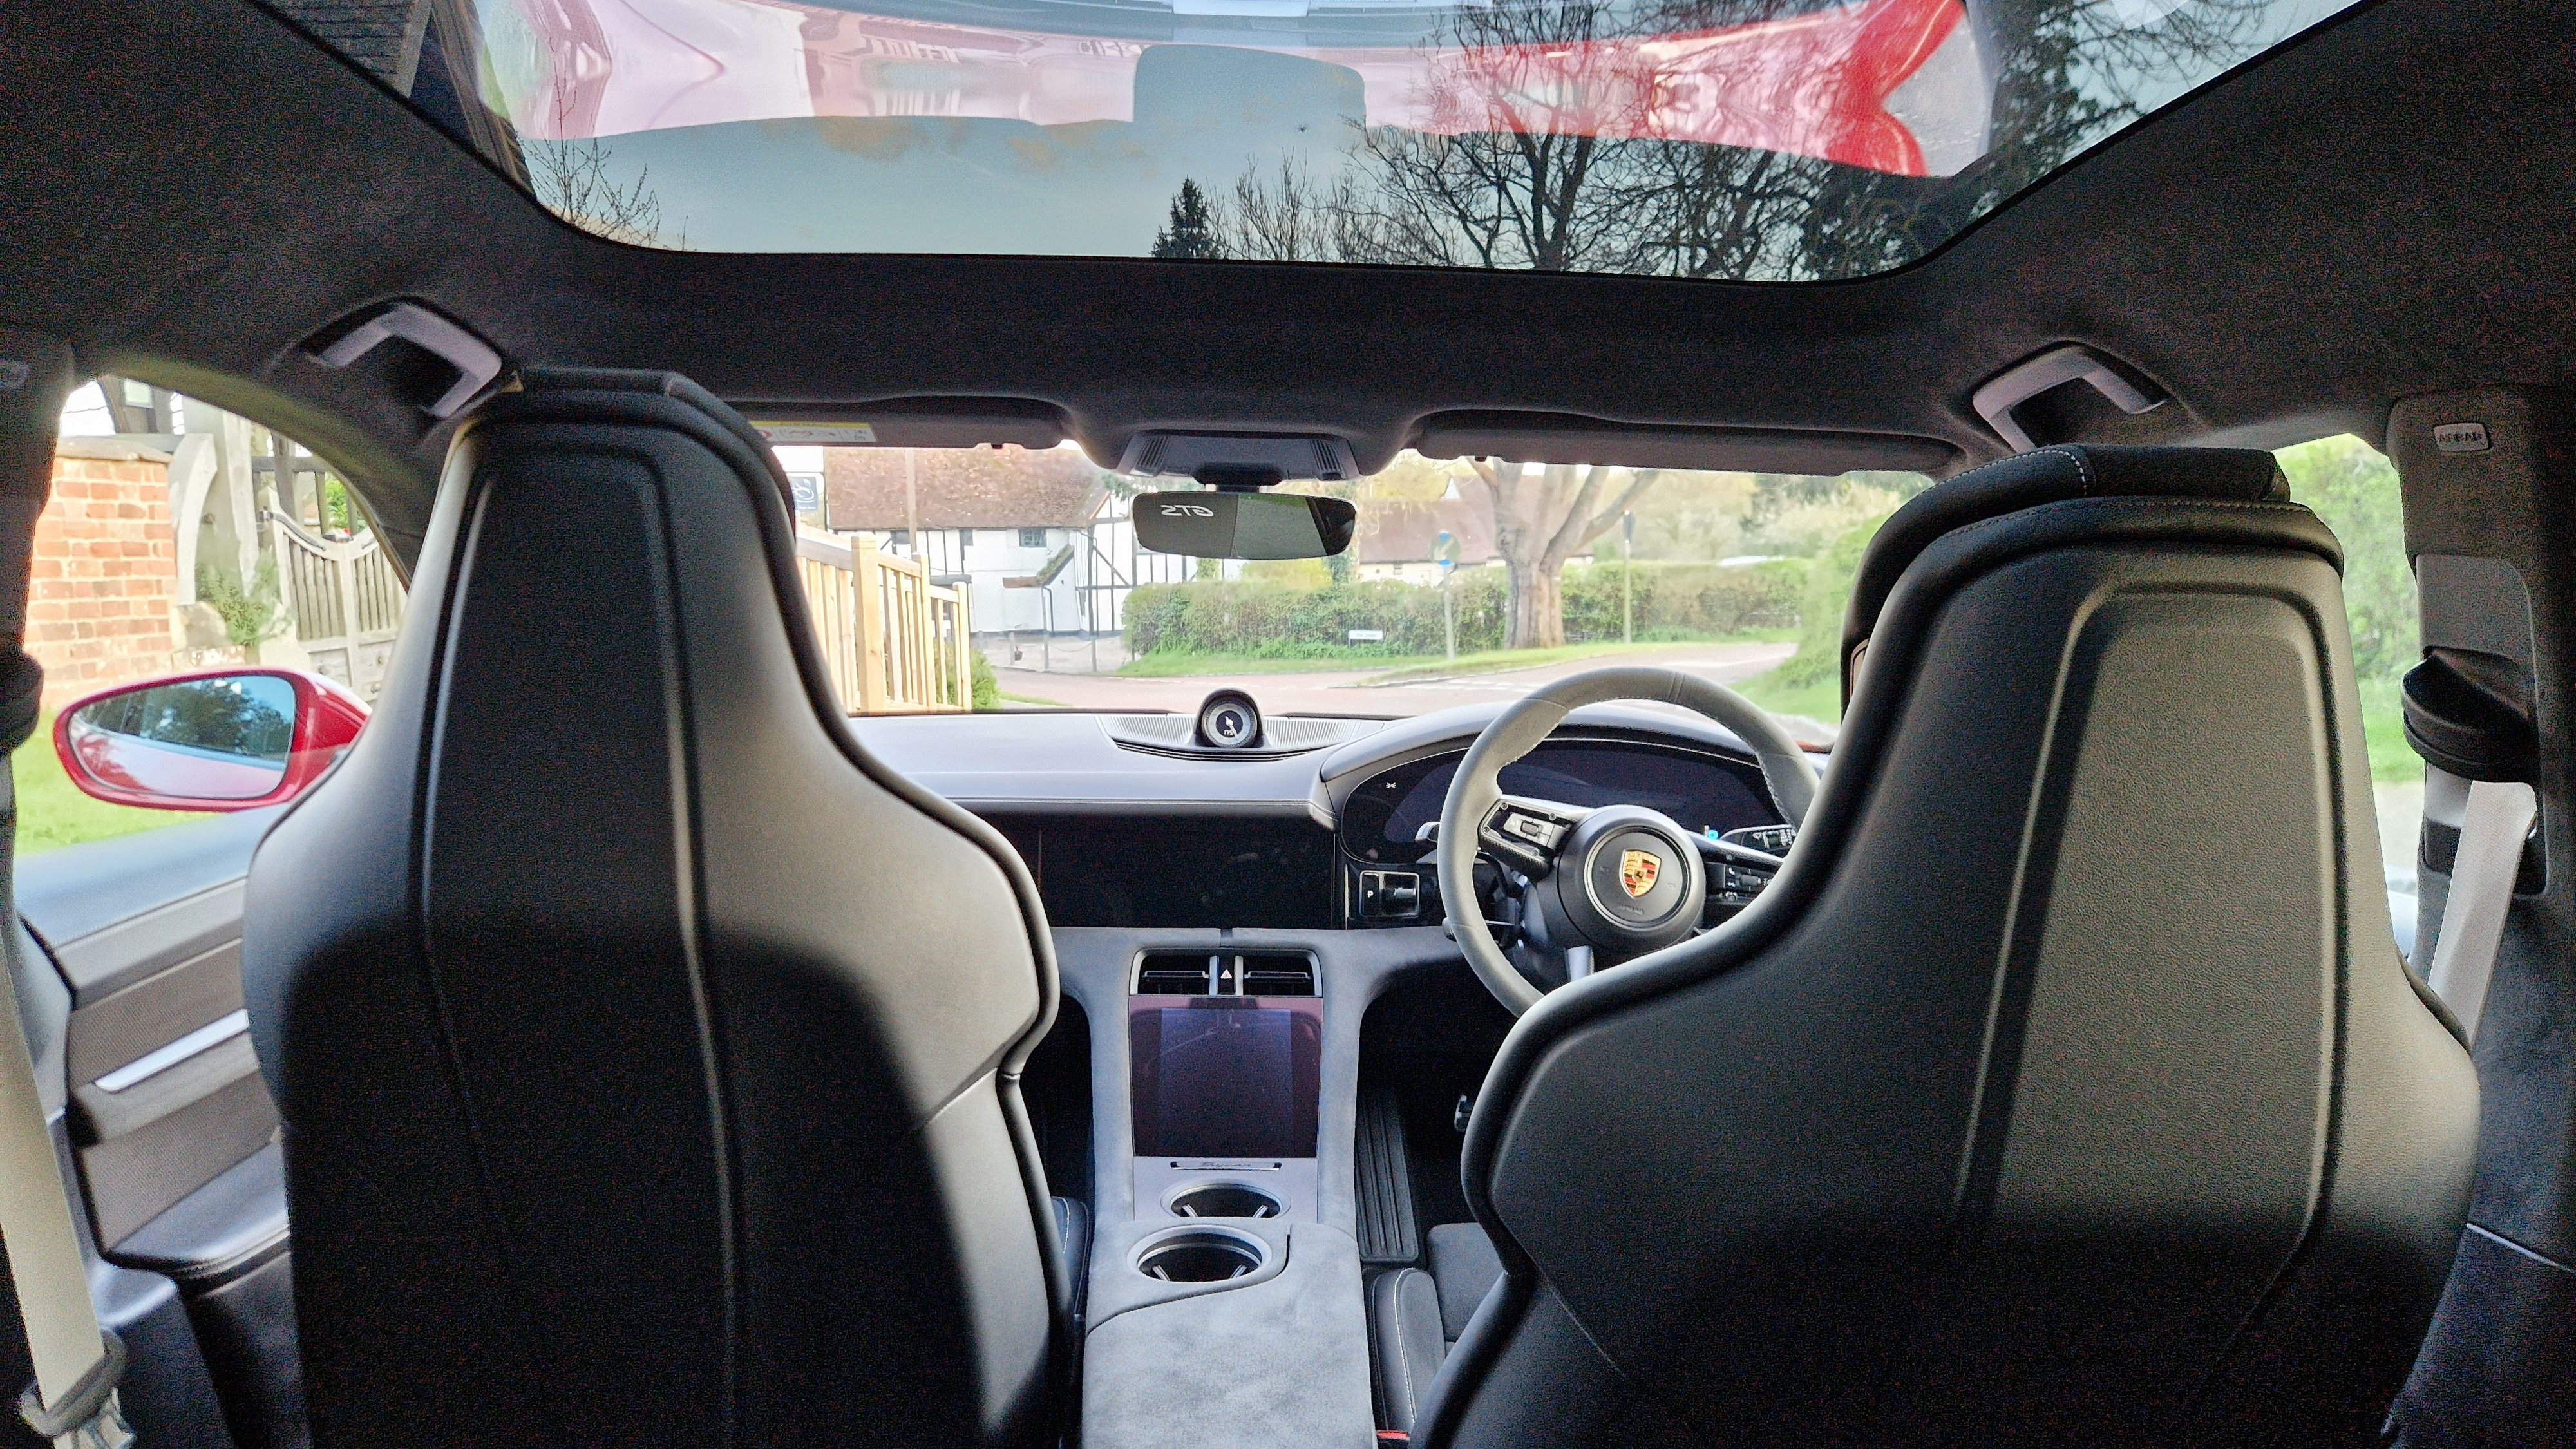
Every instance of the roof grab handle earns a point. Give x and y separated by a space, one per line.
475 360
2057 366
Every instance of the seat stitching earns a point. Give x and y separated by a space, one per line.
2083 463
1403 1349
2070 504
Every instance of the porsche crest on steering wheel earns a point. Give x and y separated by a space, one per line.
1638 870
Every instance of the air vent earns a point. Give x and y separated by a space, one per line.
1177 973
1227 973
1280 973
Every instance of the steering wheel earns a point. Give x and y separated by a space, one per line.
1595 887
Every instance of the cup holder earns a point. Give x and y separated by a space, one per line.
1201 1255
1223 1200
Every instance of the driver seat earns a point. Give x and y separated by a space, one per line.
2066 1087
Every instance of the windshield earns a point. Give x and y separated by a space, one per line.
1467 580
1768 140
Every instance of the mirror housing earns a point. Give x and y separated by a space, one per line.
1244 525
216 739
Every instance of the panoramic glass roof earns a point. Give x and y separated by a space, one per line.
1769 140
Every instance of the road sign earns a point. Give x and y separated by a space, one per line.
1368 636
1444 551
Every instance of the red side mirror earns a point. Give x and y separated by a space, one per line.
223 739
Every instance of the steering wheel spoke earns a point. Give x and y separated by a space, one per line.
1528 832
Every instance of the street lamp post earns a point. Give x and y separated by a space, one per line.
1445 553
1627 578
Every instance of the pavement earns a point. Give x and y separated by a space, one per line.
1345 692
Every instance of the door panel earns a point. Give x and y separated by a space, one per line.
127 1026
170 1123
136 1175
165 1089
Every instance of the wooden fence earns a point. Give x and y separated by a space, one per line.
895 642
346 598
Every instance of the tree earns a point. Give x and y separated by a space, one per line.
1524 165
2354 490
575 181
1541 520
1191 234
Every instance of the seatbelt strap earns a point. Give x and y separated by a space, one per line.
73 1401
2492 830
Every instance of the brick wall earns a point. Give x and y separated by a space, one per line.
101 597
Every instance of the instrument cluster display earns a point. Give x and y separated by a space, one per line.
1700 791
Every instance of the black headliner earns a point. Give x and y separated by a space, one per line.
2378 210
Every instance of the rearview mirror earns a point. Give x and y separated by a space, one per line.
1245 525
224 740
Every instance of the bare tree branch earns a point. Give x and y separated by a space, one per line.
1566 537
1638 483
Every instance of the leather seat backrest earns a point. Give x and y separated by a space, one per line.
647 1053
2066 1087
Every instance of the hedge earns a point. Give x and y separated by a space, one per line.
1280 621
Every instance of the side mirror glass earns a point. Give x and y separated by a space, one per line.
228 740
1244 525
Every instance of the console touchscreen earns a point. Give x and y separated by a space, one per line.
1216 1079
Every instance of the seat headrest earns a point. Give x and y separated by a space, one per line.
2050 475
598 394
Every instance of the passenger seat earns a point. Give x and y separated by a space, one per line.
648 1051
1415 1316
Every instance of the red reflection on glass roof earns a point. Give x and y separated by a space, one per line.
1812 85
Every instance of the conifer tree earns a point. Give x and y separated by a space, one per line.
1191 232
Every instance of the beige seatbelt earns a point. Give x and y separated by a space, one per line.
2492 830
73 1402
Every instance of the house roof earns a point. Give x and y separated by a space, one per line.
1404 532
124 448
1006 487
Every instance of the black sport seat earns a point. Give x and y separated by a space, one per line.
2065 1089
647 1053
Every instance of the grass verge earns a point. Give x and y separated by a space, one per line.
1821 701
52 811
2383 731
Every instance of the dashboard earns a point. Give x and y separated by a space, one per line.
1250 874
1121 829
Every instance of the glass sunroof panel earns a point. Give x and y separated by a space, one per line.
1765 140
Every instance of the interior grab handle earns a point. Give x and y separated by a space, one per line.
475 360
2057 366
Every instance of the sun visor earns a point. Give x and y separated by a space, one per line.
908 422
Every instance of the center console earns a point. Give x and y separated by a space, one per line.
1224 1095
1224 1297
